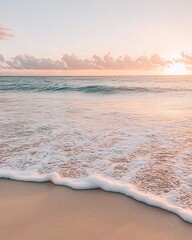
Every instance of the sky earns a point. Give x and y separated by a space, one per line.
79 36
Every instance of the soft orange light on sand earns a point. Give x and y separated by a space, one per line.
176 69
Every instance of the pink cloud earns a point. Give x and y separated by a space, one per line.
2 62
30 62
73 62
107 62
5 33
185 59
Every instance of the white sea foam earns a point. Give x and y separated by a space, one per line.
138 144
97 181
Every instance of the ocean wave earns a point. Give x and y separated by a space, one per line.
95 85
88 89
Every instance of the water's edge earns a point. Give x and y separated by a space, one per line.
97 181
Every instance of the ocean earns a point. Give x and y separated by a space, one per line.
131 135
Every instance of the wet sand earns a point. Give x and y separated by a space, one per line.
39 211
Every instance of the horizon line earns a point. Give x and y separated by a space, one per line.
127 75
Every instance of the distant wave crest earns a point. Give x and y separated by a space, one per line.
86 89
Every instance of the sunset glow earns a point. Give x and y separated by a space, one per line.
86 37
176 69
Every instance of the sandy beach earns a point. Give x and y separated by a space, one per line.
96 120
44 211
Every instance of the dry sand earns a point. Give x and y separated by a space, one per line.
38 211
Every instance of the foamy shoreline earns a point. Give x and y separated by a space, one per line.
96 181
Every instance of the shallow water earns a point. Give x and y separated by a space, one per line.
125 134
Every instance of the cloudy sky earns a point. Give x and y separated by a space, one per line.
100 35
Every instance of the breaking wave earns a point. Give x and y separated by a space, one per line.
85 85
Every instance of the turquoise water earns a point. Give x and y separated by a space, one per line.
103 85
